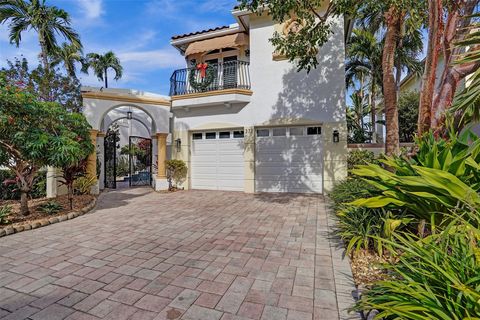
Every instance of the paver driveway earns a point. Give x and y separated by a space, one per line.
187 255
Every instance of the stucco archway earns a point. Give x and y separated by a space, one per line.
97 102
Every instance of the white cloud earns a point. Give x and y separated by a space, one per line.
152 59
92 9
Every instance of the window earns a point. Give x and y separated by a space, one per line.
296 131
279 132
224 135
197 136
210 135
314 131
238 134
263 133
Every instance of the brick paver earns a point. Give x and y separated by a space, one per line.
185 255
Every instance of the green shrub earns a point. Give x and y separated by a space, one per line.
50 207
433 278
83 185
359 157
176 172
9 191
364 228
5 211
349 190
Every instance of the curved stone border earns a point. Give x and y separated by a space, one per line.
8 230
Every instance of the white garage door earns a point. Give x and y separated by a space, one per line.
217 160
289 159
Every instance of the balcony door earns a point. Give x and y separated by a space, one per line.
230 72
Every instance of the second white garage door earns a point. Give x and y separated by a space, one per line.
217 160
289 159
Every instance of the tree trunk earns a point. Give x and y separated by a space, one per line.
43 53
393 19
435 11
106 78
373 110
24 203
70 195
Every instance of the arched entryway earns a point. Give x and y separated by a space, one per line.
131 127
128 150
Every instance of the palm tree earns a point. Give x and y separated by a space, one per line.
100 65
68 55
47 21
364 53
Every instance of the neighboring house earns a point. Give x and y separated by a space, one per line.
257 125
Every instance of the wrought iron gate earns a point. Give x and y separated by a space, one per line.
110 158
140 154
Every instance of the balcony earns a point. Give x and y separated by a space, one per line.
230 85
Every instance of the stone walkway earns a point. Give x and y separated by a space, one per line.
193 255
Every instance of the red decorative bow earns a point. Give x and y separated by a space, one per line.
203 69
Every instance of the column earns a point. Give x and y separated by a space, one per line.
249 159
92 161
161 182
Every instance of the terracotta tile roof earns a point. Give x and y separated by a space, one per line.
198 32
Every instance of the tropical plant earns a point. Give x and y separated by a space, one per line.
426 193
9 187
365 228
176 172
67 55
71 172
364 56
5 211
447 25
432 278
408 115
100 65
466 105
35 134
349 190
458 155
356 113
50 207
358 157
46 86
47 21
84 184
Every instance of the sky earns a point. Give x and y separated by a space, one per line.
138 31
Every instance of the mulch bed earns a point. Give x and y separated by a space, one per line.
366 268
79 202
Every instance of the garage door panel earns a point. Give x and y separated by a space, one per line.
289 164
217 164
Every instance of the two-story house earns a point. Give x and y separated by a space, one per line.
244 119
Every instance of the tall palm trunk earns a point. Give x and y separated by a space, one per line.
394 20
435 8
43 53
373 115
106 77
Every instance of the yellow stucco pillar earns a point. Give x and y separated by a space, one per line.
162 154
92 158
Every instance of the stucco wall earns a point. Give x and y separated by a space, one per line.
280 93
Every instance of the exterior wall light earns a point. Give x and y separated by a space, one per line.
178 144
336 136
129 115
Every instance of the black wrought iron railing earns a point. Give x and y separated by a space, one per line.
226 75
